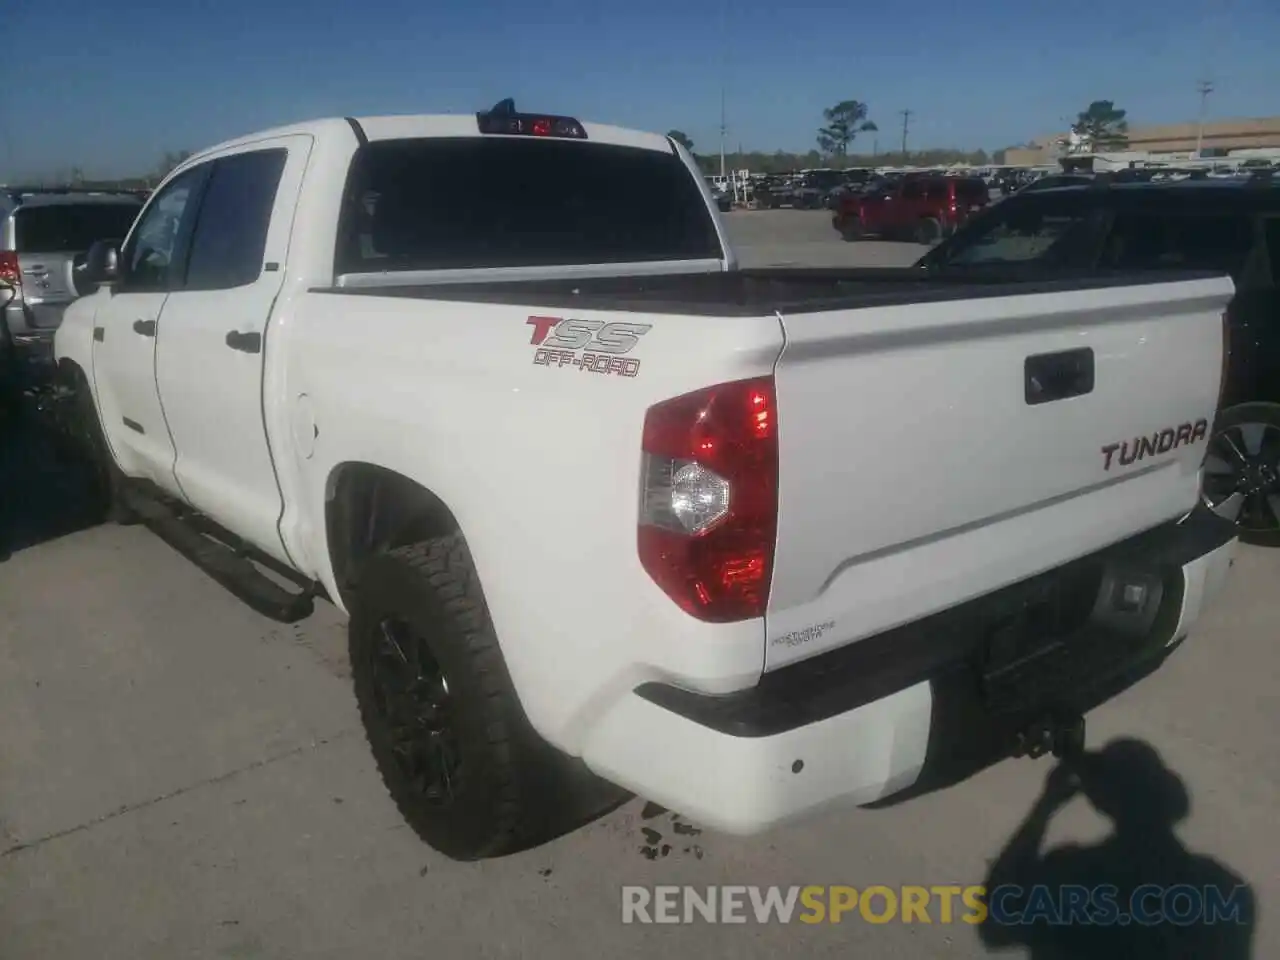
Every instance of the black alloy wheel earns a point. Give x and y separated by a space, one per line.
413 704
1242 472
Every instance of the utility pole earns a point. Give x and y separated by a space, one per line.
723 130
906 123
724 69
1204 88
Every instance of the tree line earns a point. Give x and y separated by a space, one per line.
1101 124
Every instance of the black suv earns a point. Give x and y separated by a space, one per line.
1231 226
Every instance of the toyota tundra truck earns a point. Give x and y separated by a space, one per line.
748 543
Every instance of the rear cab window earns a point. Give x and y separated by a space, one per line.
70 227
502 202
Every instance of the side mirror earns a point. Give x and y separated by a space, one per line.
102 265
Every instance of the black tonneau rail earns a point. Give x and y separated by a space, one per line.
775 290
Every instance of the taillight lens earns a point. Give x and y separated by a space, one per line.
10 272
709 499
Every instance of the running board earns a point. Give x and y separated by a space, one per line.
228 564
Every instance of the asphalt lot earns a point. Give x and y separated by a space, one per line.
182 778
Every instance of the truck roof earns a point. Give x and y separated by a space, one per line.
1257 195
395 127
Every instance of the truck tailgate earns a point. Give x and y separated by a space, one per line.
934 452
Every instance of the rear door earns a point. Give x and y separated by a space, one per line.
52 236
876 204
213 338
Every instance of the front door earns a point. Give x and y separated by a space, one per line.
125 328
213 339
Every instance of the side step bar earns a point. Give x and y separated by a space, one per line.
225 558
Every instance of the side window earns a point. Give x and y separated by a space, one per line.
153 256
1049 230
1272 227
231 230
1152 241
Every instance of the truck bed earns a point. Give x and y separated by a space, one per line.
788 291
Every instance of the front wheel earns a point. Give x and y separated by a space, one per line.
106 482
1242 471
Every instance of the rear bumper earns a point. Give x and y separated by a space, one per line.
34 320
919 706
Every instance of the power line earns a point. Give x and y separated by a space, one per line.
906 122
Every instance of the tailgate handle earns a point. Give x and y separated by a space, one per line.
1059 376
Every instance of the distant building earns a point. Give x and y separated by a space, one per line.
1221 139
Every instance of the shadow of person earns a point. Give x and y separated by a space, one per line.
1138 894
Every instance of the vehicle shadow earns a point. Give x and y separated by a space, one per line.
563 796
1140 894
45 492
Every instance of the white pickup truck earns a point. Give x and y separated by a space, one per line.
746 543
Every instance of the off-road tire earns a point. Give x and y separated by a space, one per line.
434 589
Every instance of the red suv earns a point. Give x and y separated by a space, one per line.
922 209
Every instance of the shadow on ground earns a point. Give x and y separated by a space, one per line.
1140 894
44 491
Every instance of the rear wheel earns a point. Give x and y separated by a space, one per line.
1242 471
444 722
927 231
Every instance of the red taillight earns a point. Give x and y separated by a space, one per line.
10 272
541 127
709 499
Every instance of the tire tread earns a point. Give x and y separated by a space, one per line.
445 567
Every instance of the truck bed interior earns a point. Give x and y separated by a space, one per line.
767 291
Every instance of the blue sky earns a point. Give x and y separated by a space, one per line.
110 87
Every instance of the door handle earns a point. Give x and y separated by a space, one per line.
1058 376
145 327
245 342
99 334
